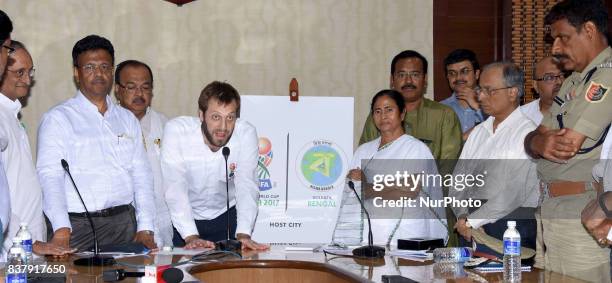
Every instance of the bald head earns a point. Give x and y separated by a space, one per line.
547 80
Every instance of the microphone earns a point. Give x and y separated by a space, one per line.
369 251
96 259
228 244
169 275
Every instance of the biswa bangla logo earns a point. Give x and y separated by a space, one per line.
320 165
264 160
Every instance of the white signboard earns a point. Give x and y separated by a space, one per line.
304 150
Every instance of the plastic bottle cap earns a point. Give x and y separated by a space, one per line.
511 224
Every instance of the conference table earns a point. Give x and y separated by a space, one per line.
282 265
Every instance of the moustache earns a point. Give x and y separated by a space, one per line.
460 82
138 100
558 57
408 86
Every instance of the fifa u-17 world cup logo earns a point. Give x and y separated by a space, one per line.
264 160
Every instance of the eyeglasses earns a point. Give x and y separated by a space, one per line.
548 78
131 88
19 73
11 50
463 72
91 68
489 92
414 75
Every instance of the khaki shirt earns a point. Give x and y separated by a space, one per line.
583 105
435 124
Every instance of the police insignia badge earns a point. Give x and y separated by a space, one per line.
596 92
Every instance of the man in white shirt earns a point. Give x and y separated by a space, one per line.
134 91
194 171
511 184
547 82
5 204
24 189
102 143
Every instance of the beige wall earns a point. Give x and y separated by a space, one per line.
333 47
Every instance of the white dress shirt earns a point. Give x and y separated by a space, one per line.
414 222
152 124
509 184
5 200
107 160
24 188
532 111
194 176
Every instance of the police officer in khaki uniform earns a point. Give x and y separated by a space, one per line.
568 142
434 123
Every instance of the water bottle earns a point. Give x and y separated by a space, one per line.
462 254
26 242
448 270
15 271
512 253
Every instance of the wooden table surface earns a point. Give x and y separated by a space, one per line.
367 269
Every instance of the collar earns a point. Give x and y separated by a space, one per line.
13 106
514 117
81 100
600 58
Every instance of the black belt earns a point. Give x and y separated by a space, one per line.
112 211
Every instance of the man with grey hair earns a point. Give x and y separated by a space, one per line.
511 185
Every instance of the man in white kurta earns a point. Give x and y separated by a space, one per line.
413 222
134 91
511 185
24 188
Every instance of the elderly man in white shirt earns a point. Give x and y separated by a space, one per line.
547 82
194 171
134 91
24 189
102 144
511 184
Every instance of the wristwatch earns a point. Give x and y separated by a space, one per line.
148 232
602 203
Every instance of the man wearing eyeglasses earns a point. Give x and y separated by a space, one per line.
511 186
134 91
547 83
568 142
462 72
103 146
25 192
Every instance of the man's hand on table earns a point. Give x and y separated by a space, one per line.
248 244
194 242
146 238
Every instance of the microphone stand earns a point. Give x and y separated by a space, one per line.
369 251
228 244
96 259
